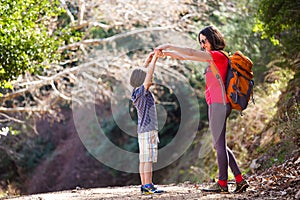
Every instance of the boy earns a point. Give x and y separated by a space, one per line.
147 129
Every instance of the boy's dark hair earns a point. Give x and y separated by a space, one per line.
214 36
137 78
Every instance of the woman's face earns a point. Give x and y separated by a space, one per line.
204 43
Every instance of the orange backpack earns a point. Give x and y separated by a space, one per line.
239 83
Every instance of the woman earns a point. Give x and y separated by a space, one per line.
212 41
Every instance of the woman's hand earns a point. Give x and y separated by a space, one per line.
162 47
160 50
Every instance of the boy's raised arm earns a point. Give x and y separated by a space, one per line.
148 59
150 72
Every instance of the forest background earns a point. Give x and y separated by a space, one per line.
64 57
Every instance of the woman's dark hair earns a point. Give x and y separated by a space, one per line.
214 36
137 78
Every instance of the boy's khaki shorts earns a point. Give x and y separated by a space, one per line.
148 146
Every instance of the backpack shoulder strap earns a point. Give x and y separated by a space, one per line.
225 53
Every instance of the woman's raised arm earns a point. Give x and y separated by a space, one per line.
183 53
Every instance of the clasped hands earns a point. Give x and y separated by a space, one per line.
158 52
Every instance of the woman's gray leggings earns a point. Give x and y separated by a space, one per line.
217 115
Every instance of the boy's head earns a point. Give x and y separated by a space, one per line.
137 78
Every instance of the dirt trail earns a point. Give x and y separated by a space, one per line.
277 182
174 192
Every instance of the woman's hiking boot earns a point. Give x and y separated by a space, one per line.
216 188
241 187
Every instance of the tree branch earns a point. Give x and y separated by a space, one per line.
25 109
63 2
112 38
12 118
81 5
92 24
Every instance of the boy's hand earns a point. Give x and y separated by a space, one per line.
159 50
148 59
159 53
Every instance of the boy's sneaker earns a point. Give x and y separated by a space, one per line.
241 187
150 189
216 188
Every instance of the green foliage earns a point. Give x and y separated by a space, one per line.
279 21
6 130
97 32
28 41
25 43
240 36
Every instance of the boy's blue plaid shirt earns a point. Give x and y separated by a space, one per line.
144 102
